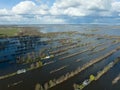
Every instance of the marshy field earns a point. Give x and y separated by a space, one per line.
60 57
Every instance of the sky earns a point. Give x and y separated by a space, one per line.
59 11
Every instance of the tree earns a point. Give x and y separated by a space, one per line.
40 63
32 66
46 86
92 77
51 83
38 87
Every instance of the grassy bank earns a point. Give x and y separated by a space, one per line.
11 31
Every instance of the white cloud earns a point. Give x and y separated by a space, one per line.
4 12
49 19
73 11
96 4
79 7
30 11
23 7
29 7
42 9
66 3
11 19
116 6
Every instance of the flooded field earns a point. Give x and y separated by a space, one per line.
63 57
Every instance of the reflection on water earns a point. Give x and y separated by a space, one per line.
12 48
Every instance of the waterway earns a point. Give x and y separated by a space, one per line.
29 79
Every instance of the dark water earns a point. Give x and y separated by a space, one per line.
43 74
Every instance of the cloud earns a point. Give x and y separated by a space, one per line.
23 7
4 12
50 19
42 9
10 19
79 7
61 11
29 12
116 6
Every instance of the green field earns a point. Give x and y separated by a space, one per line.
9 31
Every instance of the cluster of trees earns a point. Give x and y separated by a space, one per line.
36 65
61 79
81 86
28 58
31 57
